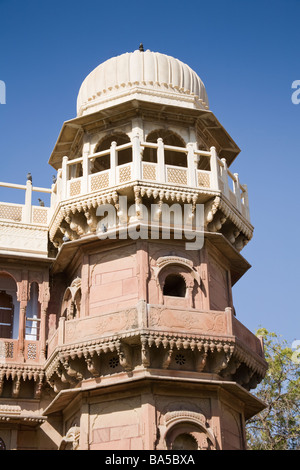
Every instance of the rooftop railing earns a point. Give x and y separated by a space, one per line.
189 168
26 213
78 177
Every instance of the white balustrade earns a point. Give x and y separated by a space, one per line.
76 178
26 213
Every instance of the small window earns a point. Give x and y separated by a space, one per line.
171 157
6 315
9 307
185 441
174 286
124 155
33 314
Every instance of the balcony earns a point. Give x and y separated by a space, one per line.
24 227
10 351
203 171
99 346
83 183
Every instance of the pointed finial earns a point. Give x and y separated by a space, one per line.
141 47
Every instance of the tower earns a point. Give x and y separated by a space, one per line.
118 329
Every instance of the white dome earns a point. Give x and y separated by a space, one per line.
152 76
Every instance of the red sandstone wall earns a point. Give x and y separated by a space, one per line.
113 280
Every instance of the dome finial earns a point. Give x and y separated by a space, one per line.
141 48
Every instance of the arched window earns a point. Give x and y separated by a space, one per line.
6 315
174 286
9 307
124 156
185 441
77 303
33 314
2 444
169 138
71 302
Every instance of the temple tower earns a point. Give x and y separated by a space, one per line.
138 344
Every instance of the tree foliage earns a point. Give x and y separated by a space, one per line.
277 427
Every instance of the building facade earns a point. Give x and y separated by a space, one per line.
117 323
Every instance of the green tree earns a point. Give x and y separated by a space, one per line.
277 427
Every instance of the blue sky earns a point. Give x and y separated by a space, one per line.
247 54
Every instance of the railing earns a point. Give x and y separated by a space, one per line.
217 178
232 189
78 177
9 350
26 213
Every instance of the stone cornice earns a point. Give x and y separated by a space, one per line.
221 354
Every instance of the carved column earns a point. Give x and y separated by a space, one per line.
22 297
214 181
113 164
44 298
85 168
191 165
85 286
136 157
44 308
161 160
65 177
26 216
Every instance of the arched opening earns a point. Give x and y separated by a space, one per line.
77 303
71 303
6 315
9 307
174 286
124 156
33 314
2 444
171 157
188 434
185 441
75 171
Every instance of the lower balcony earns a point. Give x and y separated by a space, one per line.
190 344
10 351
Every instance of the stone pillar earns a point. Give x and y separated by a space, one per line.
246 202
61 330
237 192
113 164
191 165
136 157
28 198
84 425
214 173
149 420
225 178
65 177
44 307
22 297
85 174
22 325
161 161
142 269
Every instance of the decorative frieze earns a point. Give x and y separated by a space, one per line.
220 355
